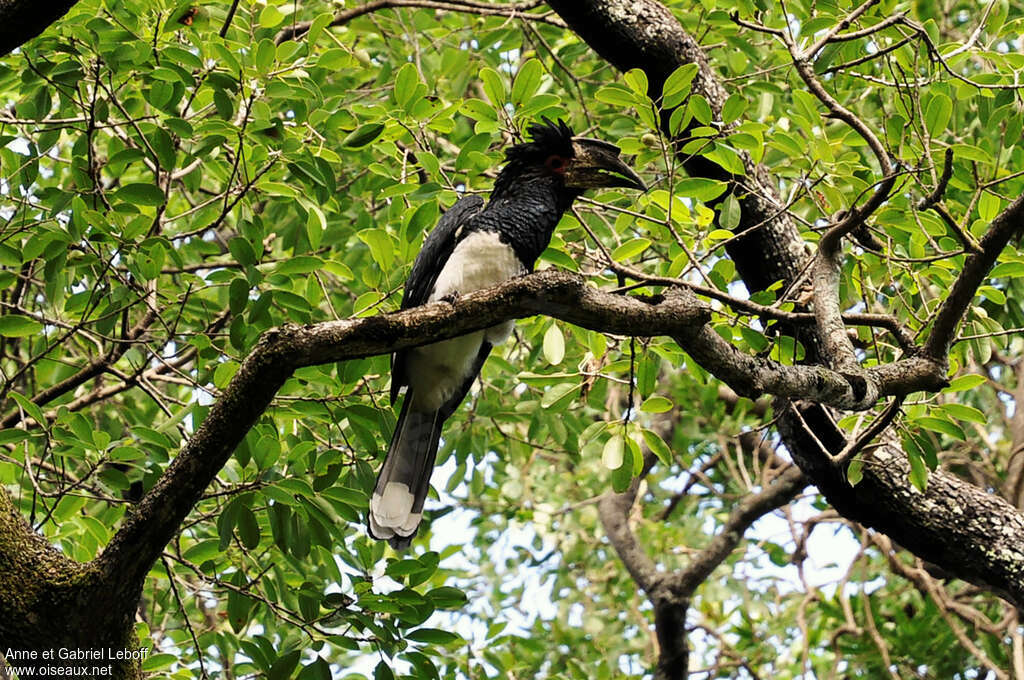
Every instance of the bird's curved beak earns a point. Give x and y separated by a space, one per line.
596 164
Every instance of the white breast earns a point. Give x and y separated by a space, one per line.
436 371
480 260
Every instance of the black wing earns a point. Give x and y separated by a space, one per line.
436 250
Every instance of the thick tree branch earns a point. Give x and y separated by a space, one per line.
1006 225
670 593
752 376
143 535
953 522
22 20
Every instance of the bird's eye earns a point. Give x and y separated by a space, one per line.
556 163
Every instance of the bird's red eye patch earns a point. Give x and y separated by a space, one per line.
556 163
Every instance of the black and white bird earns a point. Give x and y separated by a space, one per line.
477 246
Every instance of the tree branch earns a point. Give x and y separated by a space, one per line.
143 535
22 20
342 17
1006 225
953 522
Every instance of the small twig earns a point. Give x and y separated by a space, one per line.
229 18
936 195
874 429
184 617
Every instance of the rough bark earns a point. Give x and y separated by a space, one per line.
22 20
968 532
644 34
49 602
143 535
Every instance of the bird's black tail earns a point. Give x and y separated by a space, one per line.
396 506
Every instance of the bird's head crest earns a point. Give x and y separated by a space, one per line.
546 138
578 163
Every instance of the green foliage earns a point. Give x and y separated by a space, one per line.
206 189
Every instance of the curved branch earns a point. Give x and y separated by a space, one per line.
143 535
1008 224
342 17
952 524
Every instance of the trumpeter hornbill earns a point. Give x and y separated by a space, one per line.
476 246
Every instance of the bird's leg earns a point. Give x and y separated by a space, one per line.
451 298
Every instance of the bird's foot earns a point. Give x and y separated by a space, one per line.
452 297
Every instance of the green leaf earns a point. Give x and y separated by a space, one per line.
937 424
855 472
203 551
243 251
381 247
636 80
433 636
557 394
363 135
729 211
726 157
527 81
18 326
612 453
478 109
677 85
965 382
616 95
494 86
447 597
554 345
656 444
263 57
238 295
1008 270
807 109
284 666
701 189
157 662
12 436
248 528
402 567
322 21
406 81
270 17
700 109
383 672
319 669
316 225
964 412
733 108
656 404
630 249
988 206
918 472
163 146
224 372
622 476
937 114
141 194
